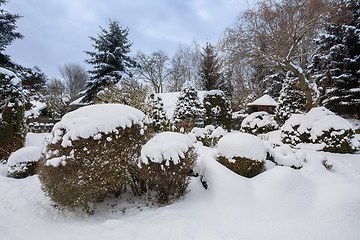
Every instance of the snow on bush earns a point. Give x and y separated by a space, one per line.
319 126
166 163
243 153
93 152
259 122
209 135
22 163
286 156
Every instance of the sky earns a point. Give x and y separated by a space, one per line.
57 31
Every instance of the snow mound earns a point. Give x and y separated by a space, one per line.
286 156
329 122
298 122
242 145
259 120
25 154
318 113
169 146
90 121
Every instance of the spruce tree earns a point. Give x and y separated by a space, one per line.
7 35
12 121
291 99
336 63
210 68
157 114
188 106
110 60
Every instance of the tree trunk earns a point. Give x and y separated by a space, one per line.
303 85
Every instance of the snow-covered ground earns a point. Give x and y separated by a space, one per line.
281 203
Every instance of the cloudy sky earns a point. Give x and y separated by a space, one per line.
56 31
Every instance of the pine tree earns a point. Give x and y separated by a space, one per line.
336 63
188 105
210 68
291 99
33 78
111 61
7 34
12 121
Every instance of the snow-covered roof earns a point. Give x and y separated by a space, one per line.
265 100
37 106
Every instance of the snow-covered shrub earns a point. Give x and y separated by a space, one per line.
23 162
209 135
259 122
319 126
335 133
296 130
93 152
217 109
243 153
166 163
12 121
286 156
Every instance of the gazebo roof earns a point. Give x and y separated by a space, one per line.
265 100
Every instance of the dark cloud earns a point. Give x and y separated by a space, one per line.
56 31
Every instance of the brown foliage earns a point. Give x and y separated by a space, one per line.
243 166
94 168
169 182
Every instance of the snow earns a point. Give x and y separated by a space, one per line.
242 145
15 80
318 112
280 203
91 120
34 112
170 99
286 156
78 101
329 122
304 122
168 146
265 100
258 120
25 154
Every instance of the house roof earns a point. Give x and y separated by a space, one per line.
78 102
265 100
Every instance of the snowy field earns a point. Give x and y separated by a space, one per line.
281 203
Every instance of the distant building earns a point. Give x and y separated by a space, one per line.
264 103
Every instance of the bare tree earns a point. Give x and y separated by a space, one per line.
154 68
75 77
185 67
279 33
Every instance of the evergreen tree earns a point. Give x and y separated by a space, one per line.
12 122
111 61
217 109
336 63
157 114
291 99
7 35
210 68
33 78
188 105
